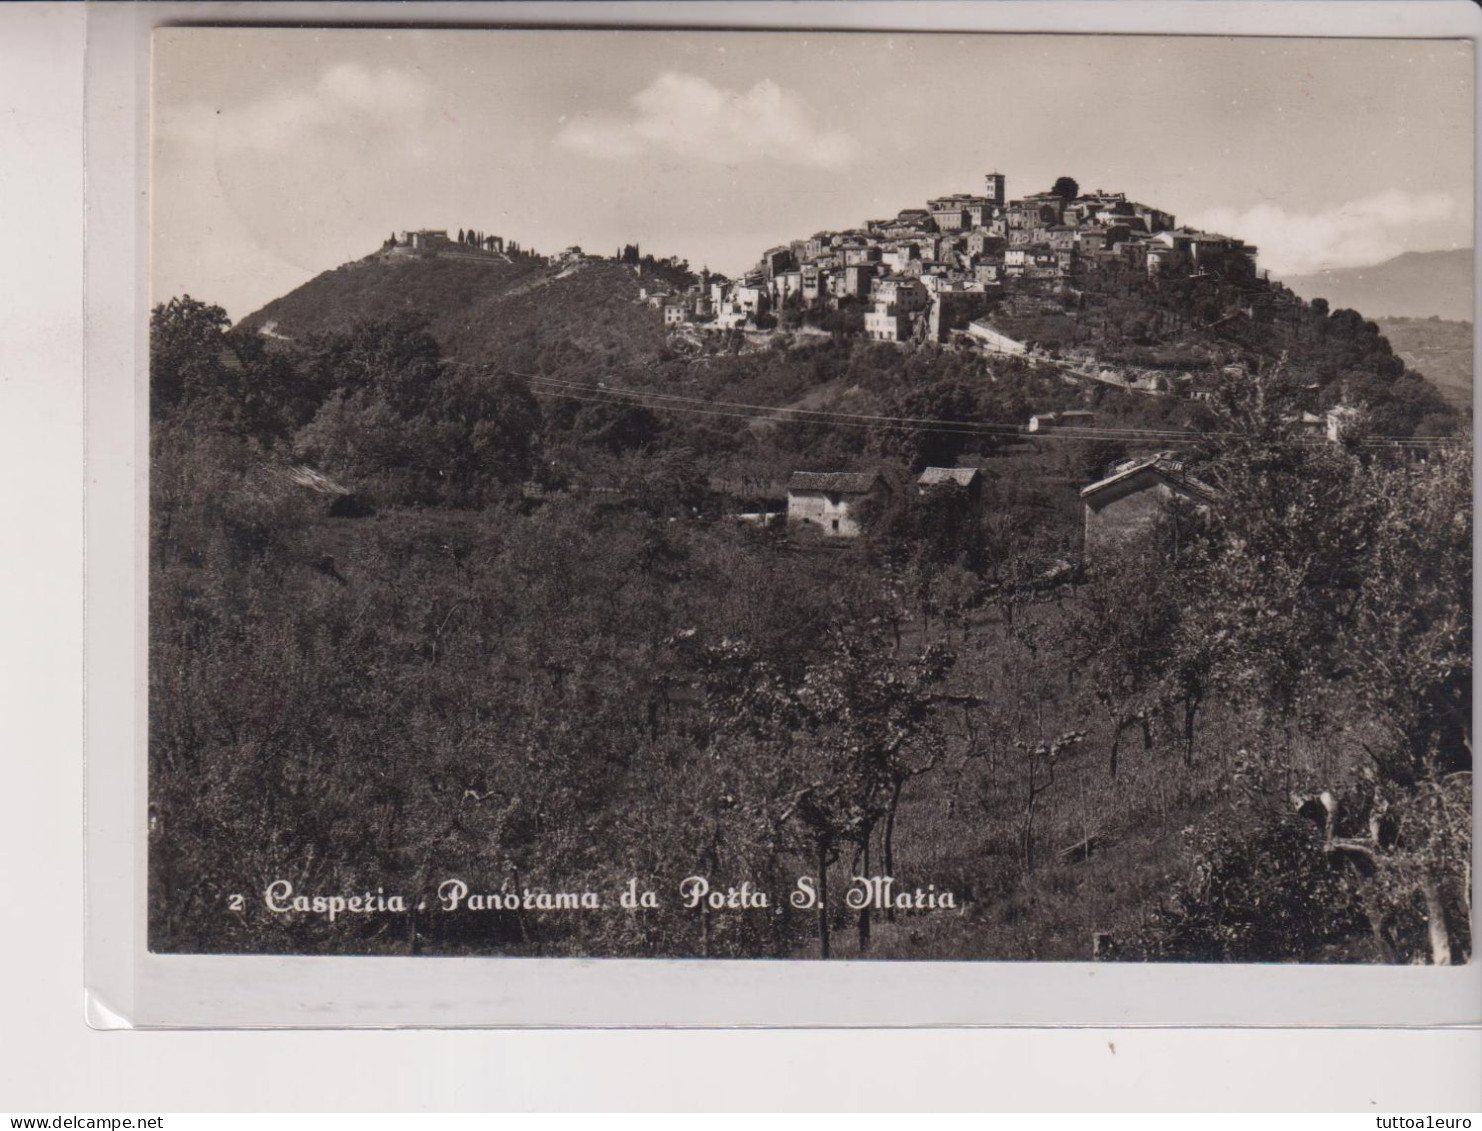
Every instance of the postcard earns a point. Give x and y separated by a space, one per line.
809 495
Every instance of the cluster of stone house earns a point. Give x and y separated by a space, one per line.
927 273
1132 495
1129 498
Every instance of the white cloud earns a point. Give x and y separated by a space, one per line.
687 116
1354 234
348 103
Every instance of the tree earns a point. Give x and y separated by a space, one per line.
206 374
1038 761
847 738
1335 599
670 483
399 421
187 349
483 434
938 421
617 425
395 358
1120 636
1066 188
1253 893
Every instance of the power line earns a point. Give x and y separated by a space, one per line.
601 393
826 416
560 395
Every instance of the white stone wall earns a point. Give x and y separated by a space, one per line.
830 511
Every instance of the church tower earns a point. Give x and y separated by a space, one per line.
993 189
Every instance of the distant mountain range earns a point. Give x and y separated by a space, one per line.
1418 284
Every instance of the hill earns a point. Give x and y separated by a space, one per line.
506 311
1438 349
1097 316
1418 284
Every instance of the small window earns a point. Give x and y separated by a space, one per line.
836 525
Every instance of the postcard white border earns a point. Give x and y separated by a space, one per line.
127 986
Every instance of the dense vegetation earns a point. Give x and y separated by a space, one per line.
544 657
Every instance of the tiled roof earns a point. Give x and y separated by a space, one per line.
843 482
962 476
1162 466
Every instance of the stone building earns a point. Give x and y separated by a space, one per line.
954 309
854 281
753 298
830 499
813 282
886 324
981 241
968 479
906 295
776 260
425 239
1135 494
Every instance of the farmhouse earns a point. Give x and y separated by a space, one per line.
1135 494
968 479
829 499
1070 418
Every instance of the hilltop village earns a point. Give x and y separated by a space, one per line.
933 274
955 273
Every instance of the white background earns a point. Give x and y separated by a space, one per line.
50 1062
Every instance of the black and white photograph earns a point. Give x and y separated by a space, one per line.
810 495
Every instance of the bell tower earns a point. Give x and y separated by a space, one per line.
993 188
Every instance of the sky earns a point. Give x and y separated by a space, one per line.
281 153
